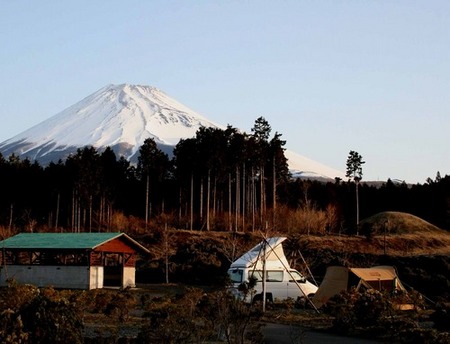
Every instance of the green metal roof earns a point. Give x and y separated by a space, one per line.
58 240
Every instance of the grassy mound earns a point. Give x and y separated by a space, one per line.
392 222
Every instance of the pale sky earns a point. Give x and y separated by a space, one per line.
330 76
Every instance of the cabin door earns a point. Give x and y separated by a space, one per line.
113 270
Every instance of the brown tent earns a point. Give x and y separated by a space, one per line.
338 278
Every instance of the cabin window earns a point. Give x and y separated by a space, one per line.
235 275
271 276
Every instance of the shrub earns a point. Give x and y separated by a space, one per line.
341 308
423 336
49 321
441 317
172 322
11 327
233 320
98 299
16 295
397 329
370 307
120 305
352 309
197 317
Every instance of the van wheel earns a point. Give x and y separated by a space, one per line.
259 298
300 302
308 302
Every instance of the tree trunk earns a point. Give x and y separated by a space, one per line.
192 201
357 208
243 197
101 213
179 205
237 200
11 208
262 206
253 200
90 213
84 219
57 211
201 200
108 216
73 211
208 196
274 192
147 192
166 253
214 195
230 222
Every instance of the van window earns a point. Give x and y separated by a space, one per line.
235 275
295 275
271 276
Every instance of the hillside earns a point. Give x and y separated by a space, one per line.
393 233
392 222
422 258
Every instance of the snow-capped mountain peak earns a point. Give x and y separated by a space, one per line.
122 117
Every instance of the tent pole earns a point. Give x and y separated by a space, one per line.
299 287
307 267
264 276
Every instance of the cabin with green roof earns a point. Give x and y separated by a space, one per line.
70 260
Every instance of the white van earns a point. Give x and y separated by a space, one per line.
282 282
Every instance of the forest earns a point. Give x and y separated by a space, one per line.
221 180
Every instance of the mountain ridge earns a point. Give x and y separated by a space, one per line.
122 117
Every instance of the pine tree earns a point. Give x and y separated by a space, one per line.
354 172
152 166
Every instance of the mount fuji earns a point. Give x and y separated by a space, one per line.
122 117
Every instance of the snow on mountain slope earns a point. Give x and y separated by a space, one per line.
302 167
114 115
122 117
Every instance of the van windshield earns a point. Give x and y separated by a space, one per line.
235 275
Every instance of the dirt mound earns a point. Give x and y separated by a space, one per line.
392 222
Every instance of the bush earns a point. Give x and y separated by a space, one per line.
232 320
11 328
197 317
32 315
341 308
173 322
353 309
441 317
423 336
120 305
370 307
16 295
52 321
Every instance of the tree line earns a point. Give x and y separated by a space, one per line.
222 179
